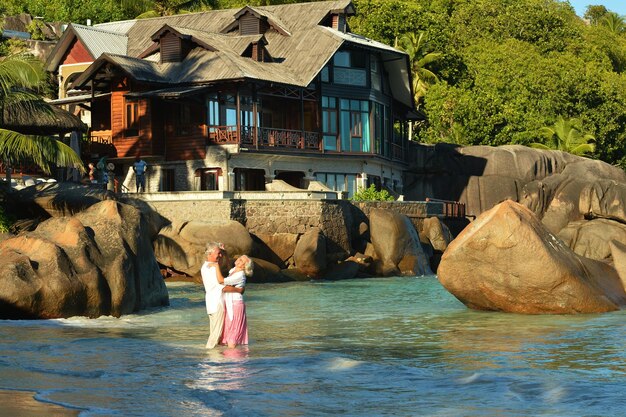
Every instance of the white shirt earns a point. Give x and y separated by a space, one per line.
238 279
212 288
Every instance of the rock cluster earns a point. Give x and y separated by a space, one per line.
578 199
97 262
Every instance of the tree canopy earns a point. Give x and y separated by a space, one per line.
505 68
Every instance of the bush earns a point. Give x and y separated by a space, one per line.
5 221
371 194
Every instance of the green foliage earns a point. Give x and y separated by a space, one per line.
567 136
371 194
5 220
20 76
35 28
420 60
511 67
595 13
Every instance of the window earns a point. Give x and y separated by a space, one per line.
131 127
338 182
329 123
381 129
214 110
355 125
349 68
375 72
168 176
183 120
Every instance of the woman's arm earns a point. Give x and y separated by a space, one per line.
230 288
218 271
237 278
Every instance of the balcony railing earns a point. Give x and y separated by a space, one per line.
101 136
223 134
267 137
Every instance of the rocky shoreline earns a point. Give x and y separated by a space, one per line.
86 252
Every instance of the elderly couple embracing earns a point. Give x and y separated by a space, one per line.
224 297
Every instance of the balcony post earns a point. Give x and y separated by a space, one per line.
238 105
255 115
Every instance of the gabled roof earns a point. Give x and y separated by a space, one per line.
97 41
272 20
297 58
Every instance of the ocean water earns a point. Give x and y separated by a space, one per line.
375 347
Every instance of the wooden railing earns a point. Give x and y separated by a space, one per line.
284 138
267 137
101 136
223 134
449 208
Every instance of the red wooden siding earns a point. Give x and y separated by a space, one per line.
129 146
188 147
76 53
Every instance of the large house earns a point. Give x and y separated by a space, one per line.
235 99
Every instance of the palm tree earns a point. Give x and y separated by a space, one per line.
567 136
419 58
20 75
614 22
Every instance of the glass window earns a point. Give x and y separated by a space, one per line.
342 59
329 123
355 125
325 75
132 119
338 181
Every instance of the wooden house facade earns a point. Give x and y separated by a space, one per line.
235 99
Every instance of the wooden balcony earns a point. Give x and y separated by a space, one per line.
101 136
265 138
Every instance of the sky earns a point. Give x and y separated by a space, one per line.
617 6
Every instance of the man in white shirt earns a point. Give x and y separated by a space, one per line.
213 289
213 286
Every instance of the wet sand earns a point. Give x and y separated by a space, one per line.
22 404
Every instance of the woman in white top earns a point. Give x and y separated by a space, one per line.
235 321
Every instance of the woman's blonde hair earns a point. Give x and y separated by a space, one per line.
248 266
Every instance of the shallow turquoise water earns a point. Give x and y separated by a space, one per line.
379 347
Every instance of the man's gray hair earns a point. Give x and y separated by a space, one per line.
211 246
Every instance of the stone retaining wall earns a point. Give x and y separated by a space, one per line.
338 219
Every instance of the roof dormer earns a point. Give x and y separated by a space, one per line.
174 44
253 21
338 18
257 51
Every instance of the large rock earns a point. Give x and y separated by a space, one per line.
591 238
397 246
181 245
277 248
507 261
99 262
310 253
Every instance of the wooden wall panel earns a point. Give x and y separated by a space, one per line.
184 148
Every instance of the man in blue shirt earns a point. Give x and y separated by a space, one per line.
140 167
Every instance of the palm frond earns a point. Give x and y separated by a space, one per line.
43 151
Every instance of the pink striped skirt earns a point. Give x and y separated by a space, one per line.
236 329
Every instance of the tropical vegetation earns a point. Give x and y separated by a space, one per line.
486 72
371 194
20 78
